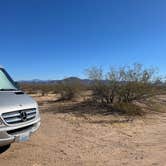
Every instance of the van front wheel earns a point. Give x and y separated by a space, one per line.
4 148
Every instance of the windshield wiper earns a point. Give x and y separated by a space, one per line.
8 89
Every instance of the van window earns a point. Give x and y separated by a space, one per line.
6 82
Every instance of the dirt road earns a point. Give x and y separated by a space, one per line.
65 140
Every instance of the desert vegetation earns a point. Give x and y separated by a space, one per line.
114 117
118 90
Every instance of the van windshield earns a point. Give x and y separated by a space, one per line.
6 82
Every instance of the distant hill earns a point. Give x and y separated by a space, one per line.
75 79
68 79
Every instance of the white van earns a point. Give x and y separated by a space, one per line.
19 115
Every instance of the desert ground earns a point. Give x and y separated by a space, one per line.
70 138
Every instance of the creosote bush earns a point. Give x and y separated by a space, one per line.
33 88
67 88
120 87
128 109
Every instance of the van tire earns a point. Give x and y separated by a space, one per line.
4 148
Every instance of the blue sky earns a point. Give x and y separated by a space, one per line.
53 39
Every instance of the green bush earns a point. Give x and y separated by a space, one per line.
125 84
128 109
121 87
69 89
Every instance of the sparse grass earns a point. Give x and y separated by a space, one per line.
129 109
156 104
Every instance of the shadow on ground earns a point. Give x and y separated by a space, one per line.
4 148
87 110
91 108
80 108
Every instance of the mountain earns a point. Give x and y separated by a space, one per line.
68 79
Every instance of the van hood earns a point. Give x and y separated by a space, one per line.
13 101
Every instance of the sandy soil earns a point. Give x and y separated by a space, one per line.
68 140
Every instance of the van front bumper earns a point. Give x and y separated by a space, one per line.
9 135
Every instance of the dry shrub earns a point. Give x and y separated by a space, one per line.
69 89
121 87
129 109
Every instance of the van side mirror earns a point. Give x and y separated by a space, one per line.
17 85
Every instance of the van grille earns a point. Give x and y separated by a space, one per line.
19 130
19 116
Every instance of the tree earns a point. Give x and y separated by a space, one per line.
125 84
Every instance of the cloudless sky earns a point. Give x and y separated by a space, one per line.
53 39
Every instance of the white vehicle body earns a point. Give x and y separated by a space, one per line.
19 115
